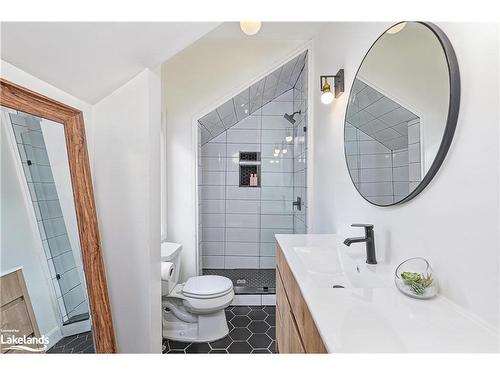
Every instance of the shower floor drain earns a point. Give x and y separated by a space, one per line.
248 280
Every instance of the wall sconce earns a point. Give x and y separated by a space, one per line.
338 85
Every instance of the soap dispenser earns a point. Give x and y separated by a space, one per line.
253 179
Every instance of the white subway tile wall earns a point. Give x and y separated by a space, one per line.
382 144
382 175
237 224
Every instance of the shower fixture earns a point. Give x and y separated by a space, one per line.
290 118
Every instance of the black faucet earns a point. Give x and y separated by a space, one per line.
368 238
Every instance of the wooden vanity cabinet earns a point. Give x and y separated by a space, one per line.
295 328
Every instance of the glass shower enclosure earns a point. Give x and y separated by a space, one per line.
252 177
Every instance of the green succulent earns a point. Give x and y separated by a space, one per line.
417 281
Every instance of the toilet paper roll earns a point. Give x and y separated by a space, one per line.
167 271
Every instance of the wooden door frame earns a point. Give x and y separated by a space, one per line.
21 99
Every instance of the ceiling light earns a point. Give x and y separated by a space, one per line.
288 138
326 91
250 27
396 28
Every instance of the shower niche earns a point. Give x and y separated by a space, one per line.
249 167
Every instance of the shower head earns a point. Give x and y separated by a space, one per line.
290 118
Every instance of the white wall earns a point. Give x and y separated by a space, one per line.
18 76
20 242
455 221
195 81
127 191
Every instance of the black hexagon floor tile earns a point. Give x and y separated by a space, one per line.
177 345
257 315
241 310
251 330
222 343
198 348
239 347
272 347
240 321
240 334
259 341
271 320
271 310
258 327
82 343
229 314
271 332
261 351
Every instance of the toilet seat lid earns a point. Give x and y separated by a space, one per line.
207 286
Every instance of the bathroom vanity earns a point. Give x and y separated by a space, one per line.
296 331
330 301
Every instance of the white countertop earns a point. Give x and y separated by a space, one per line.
379 319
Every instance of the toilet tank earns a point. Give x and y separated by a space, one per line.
171 252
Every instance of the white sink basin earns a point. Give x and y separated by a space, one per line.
333 267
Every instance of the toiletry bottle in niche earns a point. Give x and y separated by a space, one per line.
253 180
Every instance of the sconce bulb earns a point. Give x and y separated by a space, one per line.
284 151
250 27
396 28
326 97
289 138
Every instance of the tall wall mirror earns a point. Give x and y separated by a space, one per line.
53 288
402 112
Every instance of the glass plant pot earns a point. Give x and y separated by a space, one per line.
414 278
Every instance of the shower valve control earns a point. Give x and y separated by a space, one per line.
298 203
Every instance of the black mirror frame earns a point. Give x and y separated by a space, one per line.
451 122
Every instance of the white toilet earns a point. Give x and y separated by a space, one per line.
192 311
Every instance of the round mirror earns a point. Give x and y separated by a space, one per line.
402 113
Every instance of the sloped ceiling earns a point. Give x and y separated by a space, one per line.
251 99
89 60
376 115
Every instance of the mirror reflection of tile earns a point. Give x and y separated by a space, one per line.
382 143
65 275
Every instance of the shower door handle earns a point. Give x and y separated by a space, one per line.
298 203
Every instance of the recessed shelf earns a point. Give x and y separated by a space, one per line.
249 165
